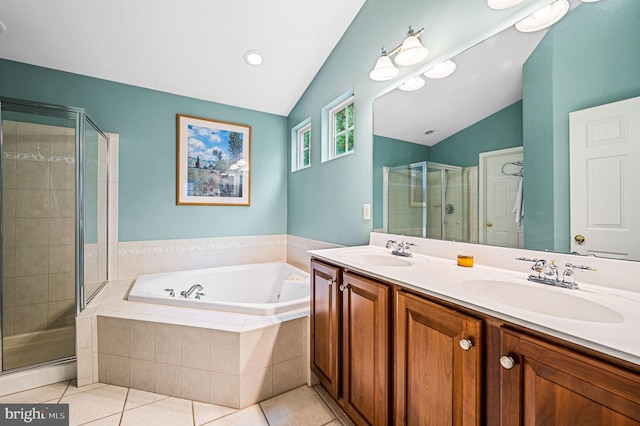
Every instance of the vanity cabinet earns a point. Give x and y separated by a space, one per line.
325 325
545 384
350 341
366 350
392 356
437 363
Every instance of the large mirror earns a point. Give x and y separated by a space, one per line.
487 154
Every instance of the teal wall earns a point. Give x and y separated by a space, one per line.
500 130
146 122
325 201
565 58
391 152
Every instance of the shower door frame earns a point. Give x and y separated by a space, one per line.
442 167
81 117
385 193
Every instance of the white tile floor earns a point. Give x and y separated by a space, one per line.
108 405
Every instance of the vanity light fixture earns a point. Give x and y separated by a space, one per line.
253 57
410 52
503 4
384 69
442 70
412 84
544 17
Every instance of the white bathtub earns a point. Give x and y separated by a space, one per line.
259 288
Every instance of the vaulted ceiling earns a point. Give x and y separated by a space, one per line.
193 48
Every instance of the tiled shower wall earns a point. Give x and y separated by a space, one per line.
38 224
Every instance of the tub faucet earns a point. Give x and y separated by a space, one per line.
187 293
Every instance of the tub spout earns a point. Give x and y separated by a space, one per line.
187 293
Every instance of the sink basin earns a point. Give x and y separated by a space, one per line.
378 259
542 300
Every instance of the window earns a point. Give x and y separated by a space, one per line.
338 127
341 128
301 146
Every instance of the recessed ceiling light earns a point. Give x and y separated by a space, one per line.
3 28
442 70
544 17
503 4
253 57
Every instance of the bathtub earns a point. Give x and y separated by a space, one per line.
258 289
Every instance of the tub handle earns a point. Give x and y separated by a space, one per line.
171 292
198 294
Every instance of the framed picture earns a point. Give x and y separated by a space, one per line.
213 162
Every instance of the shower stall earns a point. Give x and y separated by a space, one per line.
53 229
431 200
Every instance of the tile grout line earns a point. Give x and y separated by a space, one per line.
124 406
263 413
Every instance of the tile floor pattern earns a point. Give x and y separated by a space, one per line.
108 405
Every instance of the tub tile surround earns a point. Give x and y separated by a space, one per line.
215 357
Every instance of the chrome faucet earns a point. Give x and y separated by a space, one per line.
400 249
547 273
187 293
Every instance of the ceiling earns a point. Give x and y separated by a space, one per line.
192 48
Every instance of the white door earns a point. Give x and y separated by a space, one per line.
604 171
499 182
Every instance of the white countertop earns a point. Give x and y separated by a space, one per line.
442 278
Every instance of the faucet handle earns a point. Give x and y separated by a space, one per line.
198 294
539 265
390 243
583 267
171 292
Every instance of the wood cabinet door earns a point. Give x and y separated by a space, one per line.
437 381
366 350
552 385
325 325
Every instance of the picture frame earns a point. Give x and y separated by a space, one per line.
213 162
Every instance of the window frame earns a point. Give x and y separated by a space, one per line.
328 134
297 145
300 147
333 135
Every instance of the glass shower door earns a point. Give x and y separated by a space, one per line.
38 236
406 200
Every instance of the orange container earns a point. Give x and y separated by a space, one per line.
465 260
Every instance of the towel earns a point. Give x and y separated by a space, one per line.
518 207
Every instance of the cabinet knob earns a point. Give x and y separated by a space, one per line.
507 362
466 344
343 287
331 281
